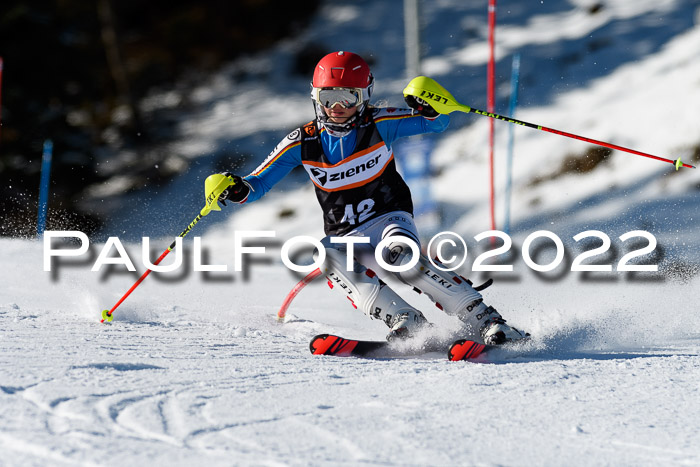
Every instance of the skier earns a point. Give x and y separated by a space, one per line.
347 154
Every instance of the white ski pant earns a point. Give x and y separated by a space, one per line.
360 279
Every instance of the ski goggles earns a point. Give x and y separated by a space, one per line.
346 97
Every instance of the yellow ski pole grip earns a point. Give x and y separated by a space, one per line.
435 95
214 185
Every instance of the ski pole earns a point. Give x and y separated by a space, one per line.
443 102
214 185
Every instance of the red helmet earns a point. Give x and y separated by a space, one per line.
342 70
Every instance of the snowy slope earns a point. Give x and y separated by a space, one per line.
199 373
194 370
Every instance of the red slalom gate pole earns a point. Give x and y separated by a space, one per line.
282 313
490 105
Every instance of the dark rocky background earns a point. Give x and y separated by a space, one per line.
75 72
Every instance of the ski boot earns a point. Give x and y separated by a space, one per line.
374 297
404 324
495 331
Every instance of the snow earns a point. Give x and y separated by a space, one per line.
200 372
194 369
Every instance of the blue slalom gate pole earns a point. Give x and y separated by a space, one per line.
44 187
514 80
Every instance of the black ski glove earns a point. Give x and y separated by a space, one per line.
421 106
237 192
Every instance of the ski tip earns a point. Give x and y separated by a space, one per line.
464 350
328 344
320 344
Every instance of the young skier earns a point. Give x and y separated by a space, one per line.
347 154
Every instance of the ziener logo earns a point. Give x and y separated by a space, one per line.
320 175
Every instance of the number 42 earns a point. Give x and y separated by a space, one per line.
364 212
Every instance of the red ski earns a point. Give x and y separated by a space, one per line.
329 344
466 350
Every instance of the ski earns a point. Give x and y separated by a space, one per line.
464 349
328 344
